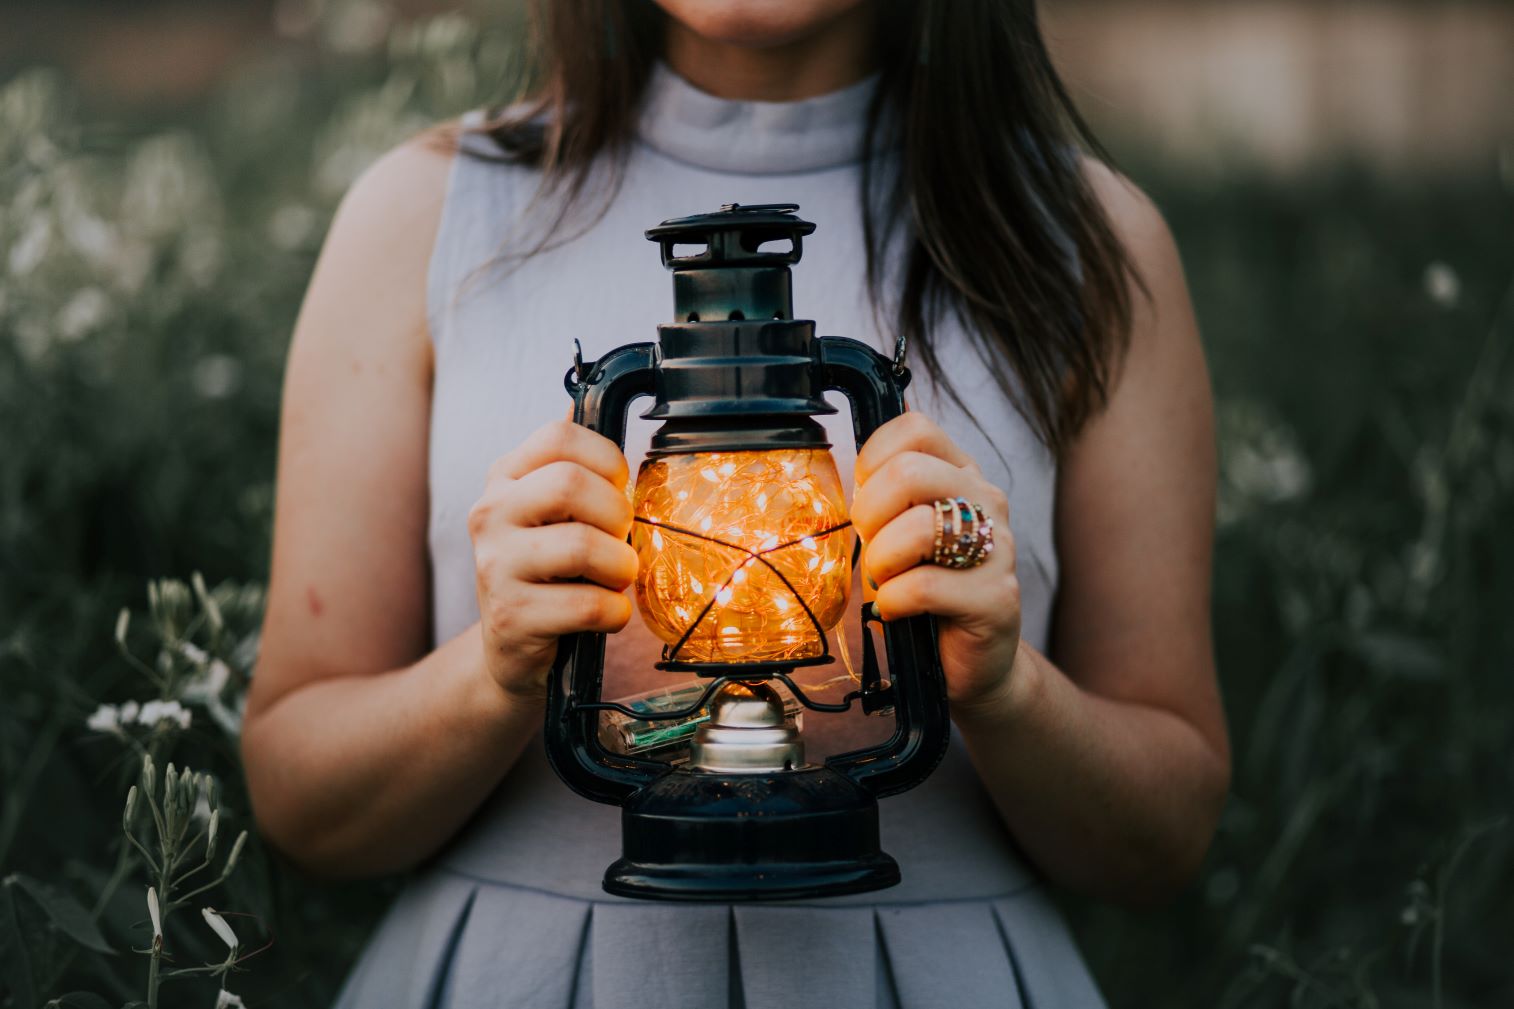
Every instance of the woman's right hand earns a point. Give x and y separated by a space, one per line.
550 551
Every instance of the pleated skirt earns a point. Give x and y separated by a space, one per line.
511 916
455 942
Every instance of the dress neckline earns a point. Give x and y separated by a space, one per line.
753 137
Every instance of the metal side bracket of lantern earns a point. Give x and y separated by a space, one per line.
745 563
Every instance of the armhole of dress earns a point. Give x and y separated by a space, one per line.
442 280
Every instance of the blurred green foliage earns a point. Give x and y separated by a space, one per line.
1360 335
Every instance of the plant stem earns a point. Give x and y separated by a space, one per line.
165 907
152 979
157 946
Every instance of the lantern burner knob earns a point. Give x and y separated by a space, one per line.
747 733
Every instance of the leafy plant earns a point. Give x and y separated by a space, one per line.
170 827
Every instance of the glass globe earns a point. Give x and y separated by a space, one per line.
744 556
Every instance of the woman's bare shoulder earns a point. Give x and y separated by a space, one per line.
405 187
1162 313
373 265
1133 215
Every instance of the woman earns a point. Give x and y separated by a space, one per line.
440 525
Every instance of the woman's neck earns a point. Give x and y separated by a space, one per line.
825 60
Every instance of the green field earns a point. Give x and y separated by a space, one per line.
1360 333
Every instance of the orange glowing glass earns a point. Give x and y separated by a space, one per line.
744 556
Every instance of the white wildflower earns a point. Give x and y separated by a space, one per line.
226 1000
169 188
218 924
194 653
28 250
87 234
154 712
227 716
152 912
216 376
129 712
1270 471
107 718
83 314
358 27
446 33
1442 285
216 676
292 225
1261 462
205 689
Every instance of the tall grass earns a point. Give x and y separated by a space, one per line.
1360 335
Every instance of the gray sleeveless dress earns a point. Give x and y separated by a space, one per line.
511 914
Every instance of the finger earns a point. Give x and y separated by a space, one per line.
905 542
568 492
565 441
570 550
911 432
569 608
910 540
978 594
908 479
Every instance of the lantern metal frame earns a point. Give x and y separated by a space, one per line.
752 377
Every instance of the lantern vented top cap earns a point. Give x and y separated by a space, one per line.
734 235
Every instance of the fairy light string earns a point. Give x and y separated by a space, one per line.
670 654
740 562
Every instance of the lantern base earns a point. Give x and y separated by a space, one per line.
704 836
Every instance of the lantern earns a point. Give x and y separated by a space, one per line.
745 554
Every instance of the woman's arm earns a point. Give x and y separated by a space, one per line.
1110 766
363 752
352 729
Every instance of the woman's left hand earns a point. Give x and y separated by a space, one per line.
905 466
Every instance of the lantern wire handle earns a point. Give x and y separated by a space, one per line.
648 716
704 698
814 705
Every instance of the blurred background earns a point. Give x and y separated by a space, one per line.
1340 178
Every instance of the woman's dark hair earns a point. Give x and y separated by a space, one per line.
987 191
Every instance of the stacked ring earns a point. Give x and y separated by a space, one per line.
964 534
